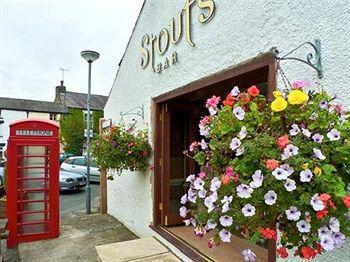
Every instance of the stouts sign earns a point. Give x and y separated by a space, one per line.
173 34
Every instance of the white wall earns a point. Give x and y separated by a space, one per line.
240 30
9 116
39 115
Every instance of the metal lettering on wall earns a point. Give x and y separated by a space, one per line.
24 132
150 43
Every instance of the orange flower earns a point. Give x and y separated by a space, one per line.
282 252
225 179
271 164
283 141
253 91
229 100
346 201
325 197
321 214
268 233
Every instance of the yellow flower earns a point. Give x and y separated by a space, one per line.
317 171
277 94
279 104
297 97
305 165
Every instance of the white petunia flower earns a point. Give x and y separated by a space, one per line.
183 199
288 168
240 151
235 143
212 110
210 224
225 236
248 210
244 191
318 154
306 132
235 91
338 239
257 179
204 131
317 138
202 193
306 175
295 130
333 135
243 133
225 208
209 204
334 224
270 198
183 211
316 203
290 151
290 185
190 178
327 243
280 174
227 200
239 113
198 184
192 196
204 145
293 213
324 232
215 184
303 226
226 221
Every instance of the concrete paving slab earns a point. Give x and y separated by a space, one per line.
131 250
167 257
78 238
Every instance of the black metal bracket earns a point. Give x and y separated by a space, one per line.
137 110
315 56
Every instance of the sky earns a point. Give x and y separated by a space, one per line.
37 37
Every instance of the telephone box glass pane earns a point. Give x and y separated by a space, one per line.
33 189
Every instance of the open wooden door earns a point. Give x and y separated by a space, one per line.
178 131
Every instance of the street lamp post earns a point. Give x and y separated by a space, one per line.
89 56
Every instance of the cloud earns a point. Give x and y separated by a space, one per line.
39 37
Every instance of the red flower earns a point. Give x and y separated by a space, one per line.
308 252
229 101
282 252
325 197
346 201
253 91
271 164
321 214
283 141
268 233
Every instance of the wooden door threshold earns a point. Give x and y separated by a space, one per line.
189 251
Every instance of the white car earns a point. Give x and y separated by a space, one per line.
78 164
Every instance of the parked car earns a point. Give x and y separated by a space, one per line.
78 164
64 156
71 180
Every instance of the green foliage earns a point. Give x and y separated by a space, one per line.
72 131
122 147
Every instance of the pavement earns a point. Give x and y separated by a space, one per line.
79 233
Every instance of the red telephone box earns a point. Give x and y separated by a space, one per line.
32 181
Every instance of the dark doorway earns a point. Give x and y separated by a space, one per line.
176 126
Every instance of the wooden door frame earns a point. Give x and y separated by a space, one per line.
264 60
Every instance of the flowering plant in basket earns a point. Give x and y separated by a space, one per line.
271 171
122 147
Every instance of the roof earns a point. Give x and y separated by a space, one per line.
45 121
78 100
30 105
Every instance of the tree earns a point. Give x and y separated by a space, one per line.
72 131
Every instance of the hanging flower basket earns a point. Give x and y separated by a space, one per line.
122 148
272 171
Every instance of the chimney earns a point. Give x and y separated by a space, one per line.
60 93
